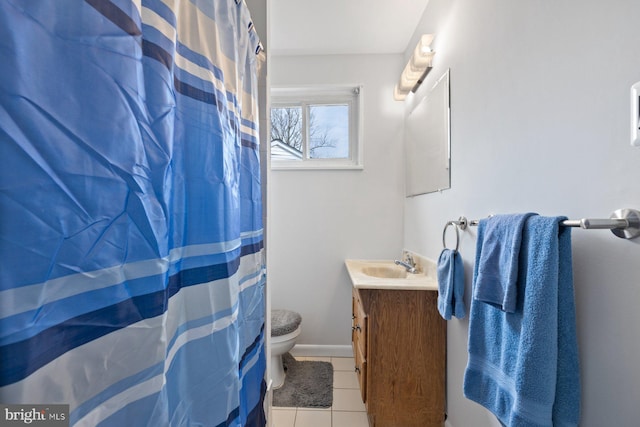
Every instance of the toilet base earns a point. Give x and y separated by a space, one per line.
277 372
279 346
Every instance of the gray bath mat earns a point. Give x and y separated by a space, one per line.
308 384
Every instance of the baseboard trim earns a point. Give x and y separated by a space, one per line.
311 350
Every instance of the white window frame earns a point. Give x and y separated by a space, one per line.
318 95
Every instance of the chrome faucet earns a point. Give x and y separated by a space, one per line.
409 264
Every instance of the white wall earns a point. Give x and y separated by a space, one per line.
317 219
540 122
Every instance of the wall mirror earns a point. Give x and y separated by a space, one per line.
428 142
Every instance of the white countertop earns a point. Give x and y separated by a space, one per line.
402 281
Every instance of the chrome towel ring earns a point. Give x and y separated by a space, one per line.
460 224
444 235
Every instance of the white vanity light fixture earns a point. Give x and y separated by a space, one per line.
416 69
635 115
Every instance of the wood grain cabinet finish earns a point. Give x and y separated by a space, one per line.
399 346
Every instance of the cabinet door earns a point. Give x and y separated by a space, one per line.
359 342
361 372
359 326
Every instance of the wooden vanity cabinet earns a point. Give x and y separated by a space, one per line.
399 346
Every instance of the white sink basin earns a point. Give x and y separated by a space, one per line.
385 274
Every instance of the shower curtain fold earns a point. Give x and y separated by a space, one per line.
131 240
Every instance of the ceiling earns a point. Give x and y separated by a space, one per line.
322 27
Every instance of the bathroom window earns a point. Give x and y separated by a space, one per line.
316 128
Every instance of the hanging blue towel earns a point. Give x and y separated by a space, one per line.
450 274
523 366
499 240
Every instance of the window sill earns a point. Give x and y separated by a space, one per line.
310 165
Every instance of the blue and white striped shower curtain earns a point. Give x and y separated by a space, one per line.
131 242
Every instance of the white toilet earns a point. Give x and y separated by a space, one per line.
285 328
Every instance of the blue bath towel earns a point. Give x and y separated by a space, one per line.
450 274
523 366
499 240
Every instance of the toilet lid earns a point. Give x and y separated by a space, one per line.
284 322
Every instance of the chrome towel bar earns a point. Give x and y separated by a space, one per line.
624 223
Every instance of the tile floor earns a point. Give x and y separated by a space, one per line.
347 410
